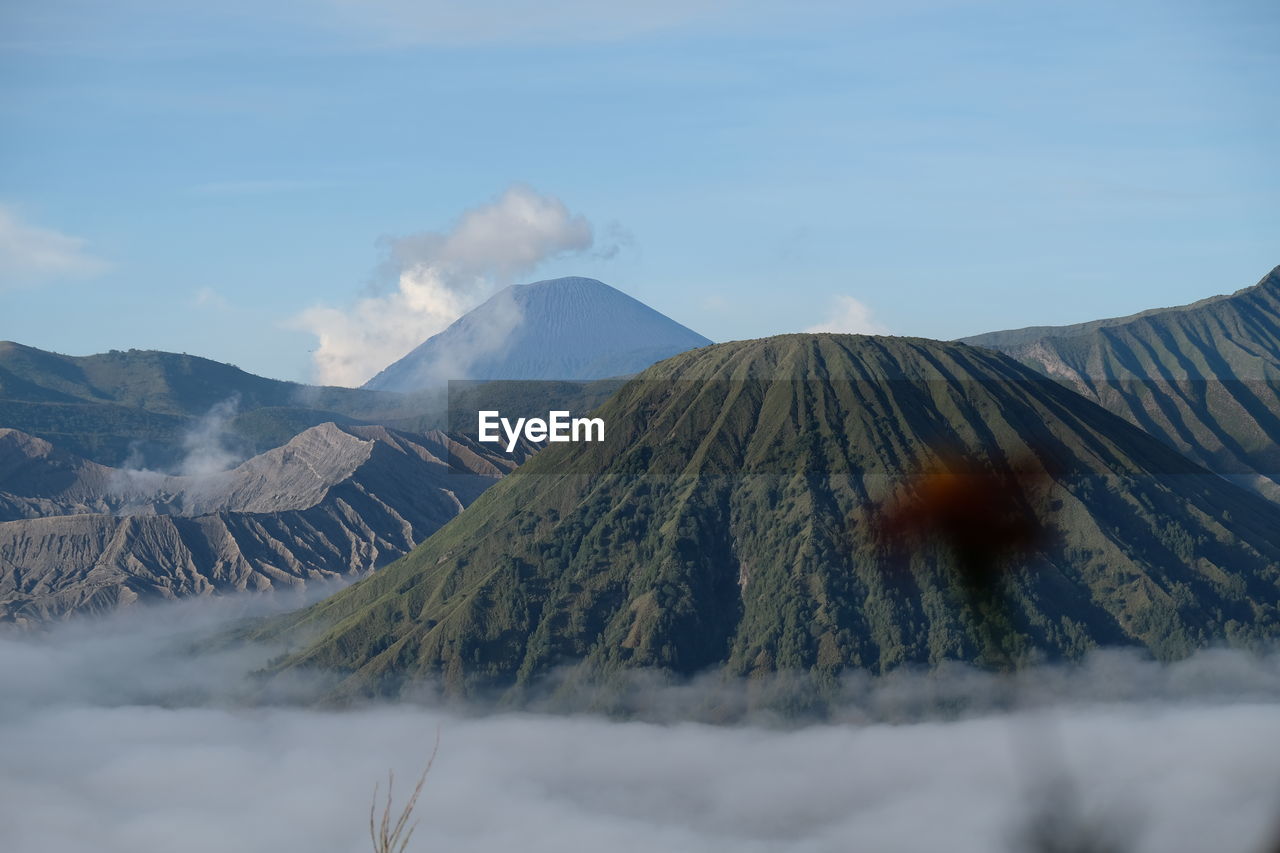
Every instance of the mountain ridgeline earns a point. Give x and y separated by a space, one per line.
141 405
165 382
730 521
1204 378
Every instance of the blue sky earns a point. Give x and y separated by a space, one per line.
180 177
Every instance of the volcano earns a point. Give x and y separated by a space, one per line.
730 522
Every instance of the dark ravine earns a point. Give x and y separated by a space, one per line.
333 503
1204 378
729 520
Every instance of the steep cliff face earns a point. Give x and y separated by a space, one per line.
332 503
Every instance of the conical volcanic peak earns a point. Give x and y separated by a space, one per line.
841 357
565 328
885 404
734 524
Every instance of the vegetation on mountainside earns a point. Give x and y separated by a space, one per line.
136 407
728 521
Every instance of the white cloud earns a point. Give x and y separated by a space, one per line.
116 739
439 276
30 254
851 317
207 297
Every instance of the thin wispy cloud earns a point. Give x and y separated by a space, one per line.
33 254
438 276
60 26
490 21
186 27
208 298
263 186
850 316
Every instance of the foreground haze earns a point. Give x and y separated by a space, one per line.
114 747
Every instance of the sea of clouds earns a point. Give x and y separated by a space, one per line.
116 736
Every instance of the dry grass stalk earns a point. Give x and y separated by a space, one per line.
390 836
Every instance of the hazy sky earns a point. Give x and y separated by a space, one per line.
232 179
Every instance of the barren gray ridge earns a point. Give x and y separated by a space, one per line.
334 502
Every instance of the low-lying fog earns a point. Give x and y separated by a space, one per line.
112 740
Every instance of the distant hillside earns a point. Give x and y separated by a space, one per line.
76 536
565 328
162 382
142 403
730 518
1204 378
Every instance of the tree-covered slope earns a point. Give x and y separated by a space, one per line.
730 518
1204 378
164 382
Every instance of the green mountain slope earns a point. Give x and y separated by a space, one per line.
163 382
137 407
111 405
730 516
1204 378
